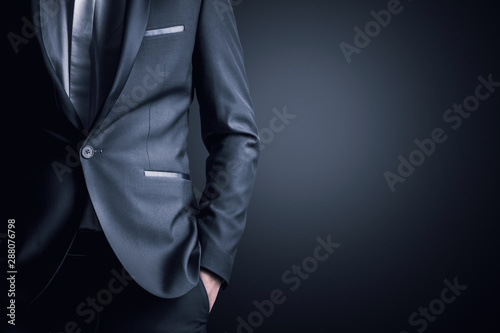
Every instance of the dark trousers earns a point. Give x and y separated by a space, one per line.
92 292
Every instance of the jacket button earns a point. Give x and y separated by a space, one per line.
87 152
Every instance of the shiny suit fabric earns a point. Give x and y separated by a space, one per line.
130 160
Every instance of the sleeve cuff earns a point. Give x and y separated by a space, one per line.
218 262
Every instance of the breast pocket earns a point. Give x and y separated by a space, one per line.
164 31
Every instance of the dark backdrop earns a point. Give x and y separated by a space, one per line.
321 173
331 129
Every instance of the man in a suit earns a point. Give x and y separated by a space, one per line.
109 236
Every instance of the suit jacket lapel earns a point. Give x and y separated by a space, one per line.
55 54
106 46
136 17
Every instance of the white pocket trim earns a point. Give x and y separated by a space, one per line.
163 31
165 174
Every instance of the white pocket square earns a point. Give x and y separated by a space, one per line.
162 31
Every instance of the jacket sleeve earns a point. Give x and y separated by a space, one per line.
228 132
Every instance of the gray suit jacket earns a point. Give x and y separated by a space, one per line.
132 162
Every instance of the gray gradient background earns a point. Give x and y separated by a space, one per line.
323 174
